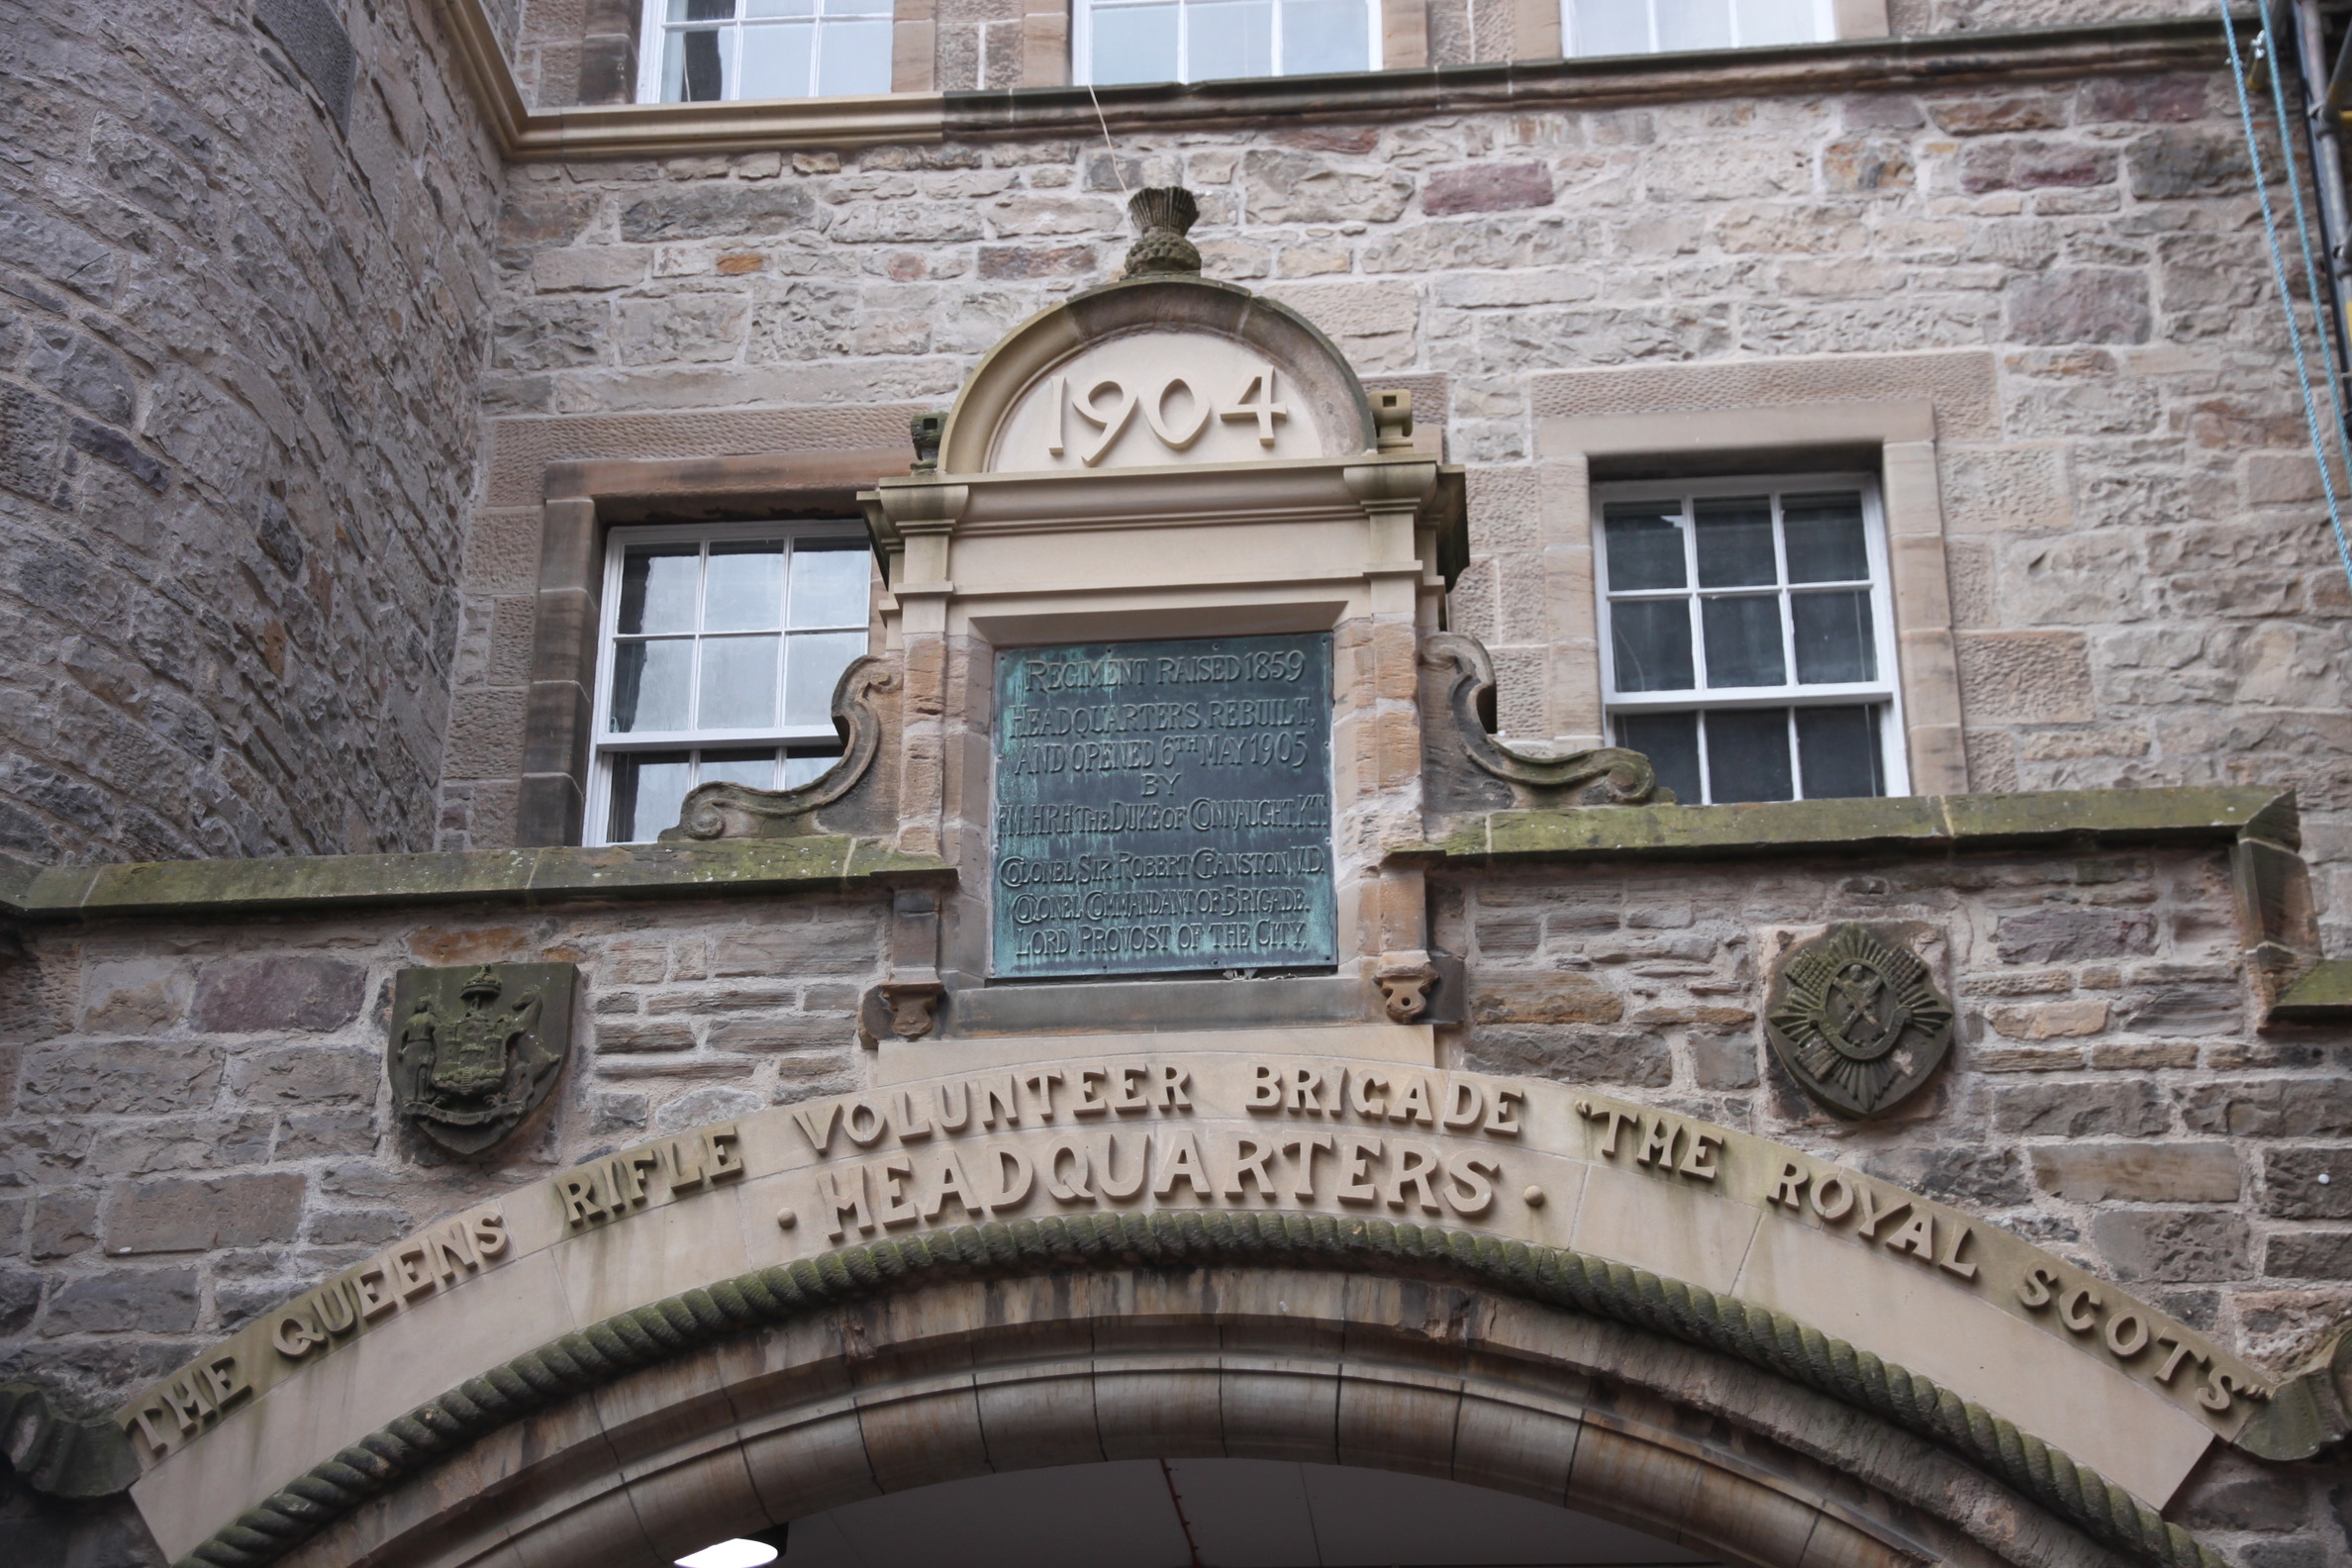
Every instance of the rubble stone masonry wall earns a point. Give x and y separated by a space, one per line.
243 257
2144 588
194 1122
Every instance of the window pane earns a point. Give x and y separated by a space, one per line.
855 58
830 585
1611 27
657 583
746 586
690 73
1764 22
1671 743
1645 545
1735 543
807 767
1651 640
649 685
1694 25
738 683
1833 636
1134 43
1747 755
1231 37
754 768
777 61
1743 640
701 9
1325 36
1825 538
816 662
649 787
1840 749
780 8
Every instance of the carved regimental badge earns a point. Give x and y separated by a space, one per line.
1857 1021
474 1051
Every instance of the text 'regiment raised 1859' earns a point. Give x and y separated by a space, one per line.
1164 806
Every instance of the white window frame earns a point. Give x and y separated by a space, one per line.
1824 24
605 745
1887 689
1082 40
655 28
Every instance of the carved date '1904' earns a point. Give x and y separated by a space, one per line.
1110 416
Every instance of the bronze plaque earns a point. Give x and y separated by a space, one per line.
1164 807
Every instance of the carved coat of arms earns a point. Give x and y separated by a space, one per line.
474 1051
1857 1021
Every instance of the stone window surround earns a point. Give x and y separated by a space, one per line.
1896 437
582 501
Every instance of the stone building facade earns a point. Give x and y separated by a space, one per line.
335 338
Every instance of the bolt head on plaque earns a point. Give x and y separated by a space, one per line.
1162 214
1856 1018
474 1051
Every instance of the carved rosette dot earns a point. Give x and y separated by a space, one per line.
1162 214
1857 1021
475 1050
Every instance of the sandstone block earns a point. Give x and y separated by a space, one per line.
196 1216
2094 1173
139 996
120 1077
2025 677
2247 1503
358 1226
1987 1178
2270 1108
640 1034
2079 1110
1572 1056
2034 164
2309 1255
817 947
306 1075
19 1298
618 1113
1038 261
783 1031
2008 112
308 1135
63 1224
2089 305
1853 165
2068 936
800 1074
2050 1020
701 1107
2143 98
1487 187
1282 185
294 992
700 212
124 1301
2172 1245
2188 161
2291 1188
1723 1061
1550 997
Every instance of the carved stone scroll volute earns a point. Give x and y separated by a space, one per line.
1458 690
738 811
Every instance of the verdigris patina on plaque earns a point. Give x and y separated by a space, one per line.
474 1051
1856 1018
1163 806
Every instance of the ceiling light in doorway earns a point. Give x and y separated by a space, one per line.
731 1554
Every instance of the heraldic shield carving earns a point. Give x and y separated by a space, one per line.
474 1051
1857 1021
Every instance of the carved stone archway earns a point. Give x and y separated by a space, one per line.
935 1381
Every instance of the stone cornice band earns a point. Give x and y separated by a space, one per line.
2061 55
578 1362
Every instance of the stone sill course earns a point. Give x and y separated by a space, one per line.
1852 66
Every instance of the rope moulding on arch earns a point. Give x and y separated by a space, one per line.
576 1362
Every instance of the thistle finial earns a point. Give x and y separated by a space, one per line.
1162 214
